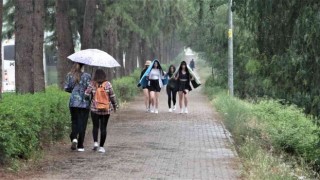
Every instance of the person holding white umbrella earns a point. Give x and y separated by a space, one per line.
76 83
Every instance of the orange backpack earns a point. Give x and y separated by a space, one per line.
101 97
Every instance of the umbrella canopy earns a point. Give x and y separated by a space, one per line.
94 57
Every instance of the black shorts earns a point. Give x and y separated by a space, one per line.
184 85
154 86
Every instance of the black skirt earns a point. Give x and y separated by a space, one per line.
184 85
154 86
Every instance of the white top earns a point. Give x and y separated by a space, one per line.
154 74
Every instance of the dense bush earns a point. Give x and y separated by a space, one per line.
289 129
28 122
126 87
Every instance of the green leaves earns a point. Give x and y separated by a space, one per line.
27 122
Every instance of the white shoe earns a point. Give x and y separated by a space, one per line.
181 111
101 150
80 149
74 144
174 107
186 110
170 110
148 110
156 111
152 111
95 146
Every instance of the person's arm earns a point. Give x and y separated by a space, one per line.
112 96
88 91
142 73
68 84
177 76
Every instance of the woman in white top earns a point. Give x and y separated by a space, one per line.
155 84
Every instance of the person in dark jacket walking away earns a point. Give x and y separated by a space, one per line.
192 65
172 88
76 83
103 102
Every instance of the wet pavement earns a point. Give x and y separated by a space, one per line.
141 145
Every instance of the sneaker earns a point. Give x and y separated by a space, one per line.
181 110
170 110
152 111
74 144
156 111
186 110
148 110
174 107
80 149
101 150
95 146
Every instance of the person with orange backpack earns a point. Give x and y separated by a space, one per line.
103 102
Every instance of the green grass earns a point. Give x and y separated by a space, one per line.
274 141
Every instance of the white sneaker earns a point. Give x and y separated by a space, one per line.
74 144
152 111
170 110
101 150
186 110
95 146
174 107
156 111
181 110
80 149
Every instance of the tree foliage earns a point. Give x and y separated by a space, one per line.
276 52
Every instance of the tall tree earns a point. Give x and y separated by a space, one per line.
24 46
64 38
88 24
38 40
1 9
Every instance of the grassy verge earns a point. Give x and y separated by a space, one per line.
274 141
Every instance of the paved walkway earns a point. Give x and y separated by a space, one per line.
154 146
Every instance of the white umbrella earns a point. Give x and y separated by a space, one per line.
94 57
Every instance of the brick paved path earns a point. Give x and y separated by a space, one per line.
150 146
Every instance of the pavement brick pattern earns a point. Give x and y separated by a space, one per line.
167 145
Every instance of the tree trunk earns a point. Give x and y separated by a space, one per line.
1 9
38 40
88 24
24 46
65 41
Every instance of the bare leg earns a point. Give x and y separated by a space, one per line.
156 99
152 96
186 99
149 99
146 98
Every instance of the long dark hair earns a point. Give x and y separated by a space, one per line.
180 67
159 66
169 70
99 76
76 72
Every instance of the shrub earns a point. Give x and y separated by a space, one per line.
125 88
289 129
29 121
